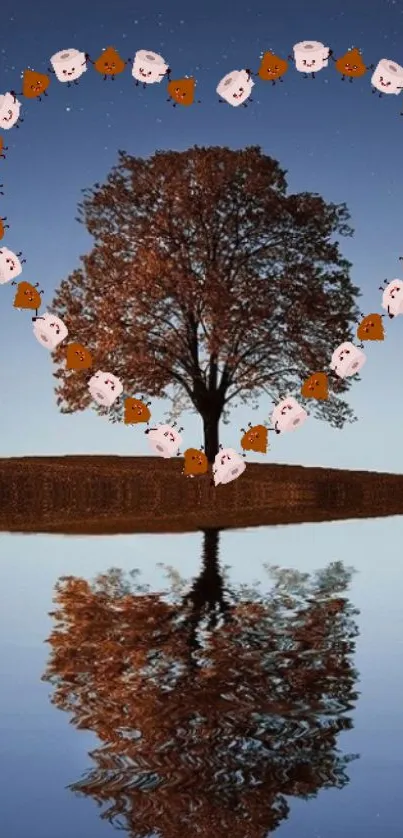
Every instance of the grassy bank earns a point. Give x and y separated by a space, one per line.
105 495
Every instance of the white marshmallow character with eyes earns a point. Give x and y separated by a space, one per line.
392 297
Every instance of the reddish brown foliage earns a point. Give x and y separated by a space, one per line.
276 675
207 275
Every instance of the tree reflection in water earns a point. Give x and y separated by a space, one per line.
212 706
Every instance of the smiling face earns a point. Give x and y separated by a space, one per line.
288 415
105 388
148 67
9 111
34 84
347 360
195 462
136 412
228 466
316 387
68 65
10 265
392 298
388 77
235 88
182 91
109 63
27 297
255 439
50 330
78 357
351 64
371 328
272 67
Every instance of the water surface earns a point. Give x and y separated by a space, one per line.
42 755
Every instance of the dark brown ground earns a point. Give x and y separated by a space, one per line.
109 495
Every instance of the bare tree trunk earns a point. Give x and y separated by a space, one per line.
211 421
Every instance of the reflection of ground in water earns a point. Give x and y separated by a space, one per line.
220 703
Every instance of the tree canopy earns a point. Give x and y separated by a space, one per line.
213 703
208 283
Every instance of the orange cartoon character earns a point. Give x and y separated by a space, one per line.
34 85
181 91
3 148
3 226
272 68
78 357
196 462
371 328
109 63
316 387
255 439
27 296
136 411
351 65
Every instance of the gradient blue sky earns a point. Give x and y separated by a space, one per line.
333 137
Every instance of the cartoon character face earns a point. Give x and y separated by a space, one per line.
10 109
110 63
49 330
136 411
272 67
78 357
27 296
149 67
34 84
10 265
69 65
347 360
392 298
105 388
228 465
182 91
316 387
255 439
371 328
351 64
236 87
195 462
164 441
288 415
387 77
310 56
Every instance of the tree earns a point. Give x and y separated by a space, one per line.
212 735
209 284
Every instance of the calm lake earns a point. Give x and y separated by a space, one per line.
267 698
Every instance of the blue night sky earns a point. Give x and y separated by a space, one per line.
334 138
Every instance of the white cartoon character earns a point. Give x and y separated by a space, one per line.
228 466
10 110
236 87
288 415
347 360
310 57
49 330
164 440
105 388
68 65
10 265
149 67
392 297
387 77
